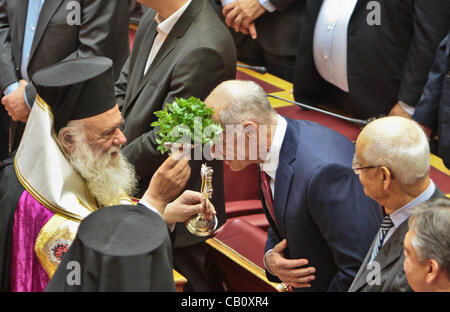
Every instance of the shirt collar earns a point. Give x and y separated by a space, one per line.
401 215
270 164
165 26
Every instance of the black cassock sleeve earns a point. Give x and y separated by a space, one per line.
10 192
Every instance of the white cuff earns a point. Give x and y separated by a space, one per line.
409 109
11 88
225 2
267 5
147 205
264 260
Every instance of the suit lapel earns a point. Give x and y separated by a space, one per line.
169 45
48 10
134 81
285 173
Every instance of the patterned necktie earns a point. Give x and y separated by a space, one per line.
267 193
386 225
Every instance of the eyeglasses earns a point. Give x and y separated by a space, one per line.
356 169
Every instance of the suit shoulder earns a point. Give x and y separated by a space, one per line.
324 146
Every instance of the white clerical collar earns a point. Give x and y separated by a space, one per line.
401 215
165 26
270 164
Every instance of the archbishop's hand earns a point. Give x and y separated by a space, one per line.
289 271
186 206
168 181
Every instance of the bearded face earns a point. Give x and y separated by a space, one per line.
108 175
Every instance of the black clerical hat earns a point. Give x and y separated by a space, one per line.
119 248
76 89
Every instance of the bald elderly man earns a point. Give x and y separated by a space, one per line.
392 161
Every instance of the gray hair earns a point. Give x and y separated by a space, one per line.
246 101
400 145
431 224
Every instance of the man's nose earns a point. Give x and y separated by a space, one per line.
119 138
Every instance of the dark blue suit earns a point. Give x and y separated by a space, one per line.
320 206
433 109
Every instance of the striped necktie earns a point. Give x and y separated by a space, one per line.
386 225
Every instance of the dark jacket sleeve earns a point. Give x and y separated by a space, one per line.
104 32
120 87
283 5
7 71
270 244
427 110
346 218
430 22
200 71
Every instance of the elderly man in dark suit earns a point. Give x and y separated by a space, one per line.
321 223
368 58
433 109
392 161
36 34
182 49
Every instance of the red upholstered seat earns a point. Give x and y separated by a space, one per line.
243 207
244 238
258 220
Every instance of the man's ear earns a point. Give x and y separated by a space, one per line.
66 139
250 127
387 177
433 271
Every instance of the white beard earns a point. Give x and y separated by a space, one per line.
108 179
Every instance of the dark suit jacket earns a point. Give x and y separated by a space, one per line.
103 32
320 206
279 31
433 109
197 55
391 258
386 63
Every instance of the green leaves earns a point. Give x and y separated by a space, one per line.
185 121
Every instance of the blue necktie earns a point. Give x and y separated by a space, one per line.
386 225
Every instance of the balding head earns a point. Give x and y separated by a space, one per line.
397 143
237 101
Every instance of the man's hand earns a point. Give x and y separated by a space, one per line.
288 270
168 181
398 110
241 15
186 206
15 103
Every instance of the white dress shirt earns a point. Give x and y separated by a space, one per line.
270 164
330 41
164 28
